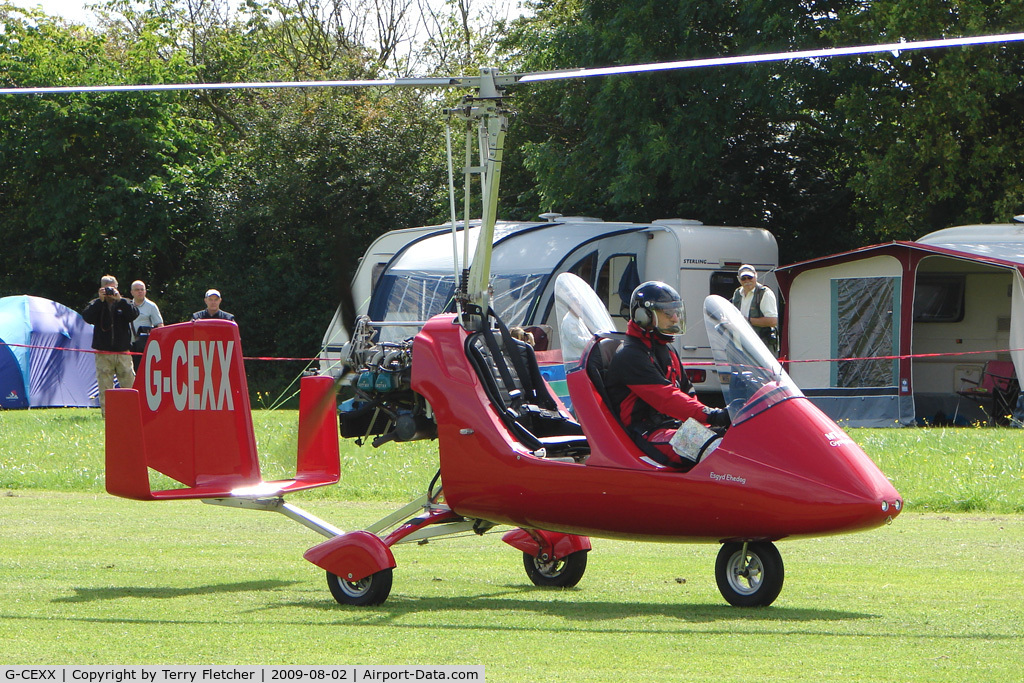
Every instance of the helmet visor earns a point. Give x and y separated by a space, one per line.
670 317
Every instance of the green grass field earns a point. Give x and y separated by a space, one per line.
86 578
91 579
936 469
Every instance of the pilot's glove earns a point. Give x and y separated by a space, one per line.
718 417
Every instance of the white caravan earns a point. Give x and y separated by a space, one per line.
408 276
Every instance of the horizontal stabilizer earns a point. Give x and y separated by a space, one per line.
190 420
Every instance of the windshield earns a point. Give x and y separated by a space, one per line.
752 379
580 315
417 296
420 282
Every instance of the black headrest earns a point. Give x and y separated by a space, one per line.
600 358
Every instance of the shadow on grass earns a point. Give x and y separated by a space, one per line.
559 603
154 592
564 606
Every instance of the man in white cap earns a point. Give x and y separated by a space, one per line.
758 305
212 309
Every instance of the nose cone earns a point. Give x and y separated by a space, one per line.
820 480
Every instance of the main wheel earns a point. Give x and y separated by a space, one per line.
563 573
751 579
373 590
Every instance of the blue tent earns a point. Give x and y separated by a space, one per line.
44 358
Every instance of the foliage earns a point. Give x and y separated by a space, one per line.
961 470
934 469
937 131
270 196
61 449
828 154
90 183
752 145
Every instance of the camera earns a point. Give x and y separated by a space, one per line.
108 290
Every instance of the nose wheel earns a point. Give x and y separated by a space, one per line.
552 573
749 574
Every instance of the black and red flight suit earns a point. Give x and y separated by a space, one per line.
647 386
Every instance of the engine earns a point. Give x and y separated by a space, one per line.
383 404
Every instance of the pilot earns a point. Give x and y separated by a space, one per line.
645 381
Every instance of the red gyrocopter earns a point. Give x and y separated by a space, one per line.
509 453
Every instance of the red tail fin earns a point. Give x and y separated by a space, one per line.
188 417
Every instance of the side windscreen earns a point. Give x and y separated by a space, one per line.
752 379
581 314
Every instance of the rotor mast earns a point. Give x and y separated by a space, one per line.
486 112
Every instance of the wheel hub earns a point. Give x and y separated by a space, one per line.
745 573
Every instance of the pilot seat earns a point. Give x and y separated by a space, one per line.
511 378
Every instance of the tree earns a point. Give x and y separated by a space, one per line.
752 145
270 196
90 183
937 132
828 154
318 176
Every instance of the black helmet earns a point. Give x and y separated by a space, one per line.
657 296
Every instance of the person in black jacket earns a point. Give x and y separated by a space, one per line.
645 380
212 310
111 318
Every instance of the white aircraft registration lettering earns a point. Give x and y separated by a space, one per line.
190 378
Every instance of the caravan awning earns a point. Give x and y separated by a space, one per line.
807 334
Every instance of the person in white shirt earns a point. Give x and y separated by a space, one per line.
149 317
758 305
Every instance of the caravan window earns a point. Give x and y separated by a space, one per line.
585 267
938 298
375 273
723 283
417 296
413 296
616 282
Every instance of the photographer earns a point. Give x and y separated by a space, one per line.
111 318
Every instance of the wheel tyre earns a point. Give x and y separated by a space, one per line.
373 590
563 573
753 580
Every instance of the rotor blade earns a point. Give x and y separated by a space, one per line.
467 81
509 79
773 57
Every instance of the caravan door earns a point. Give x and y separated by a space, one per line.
612 265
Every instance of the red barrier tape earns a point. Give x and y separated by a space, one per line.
137 353
688 364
